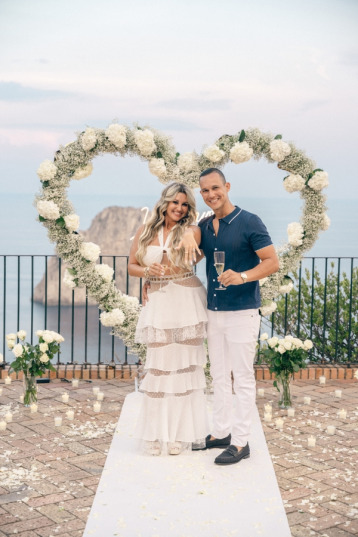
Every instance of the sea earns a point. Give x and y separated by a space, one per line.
21 234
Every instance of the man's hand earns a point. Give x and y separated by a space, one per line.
230 277
145 297
190 246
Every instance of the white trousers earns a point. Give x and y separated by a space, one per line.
232 338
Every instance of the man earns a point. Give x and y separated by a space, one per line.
233 314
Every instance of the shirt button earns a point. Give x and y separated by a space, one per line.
215 248
213 280
213 234
214 295
216 308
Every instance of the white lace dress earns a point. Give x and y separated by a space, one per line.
173 325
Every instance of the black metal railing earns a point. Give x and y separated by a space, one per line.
323 306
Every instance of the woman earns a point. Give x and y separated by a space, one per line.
173 325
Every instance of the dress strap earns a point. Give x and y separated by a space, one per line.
161 236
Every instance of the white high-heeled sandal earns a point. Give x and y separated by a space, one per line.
153 448
174 448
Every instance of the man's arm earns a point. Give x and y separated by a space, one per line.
269 264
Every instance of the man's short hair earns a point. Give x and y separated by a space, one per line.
213 170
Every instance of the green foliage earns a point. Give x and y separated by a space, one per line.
328 315
30 360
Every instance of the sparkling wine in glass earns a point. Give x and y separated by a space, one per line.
160 285
219 263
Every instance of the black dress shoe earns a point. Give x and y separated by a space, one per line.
231 455
216 443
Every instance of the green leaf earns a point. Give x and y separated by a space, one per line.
45 183
42 219
72 271
61 222
177 155
278 137
276 386
242 136
159 154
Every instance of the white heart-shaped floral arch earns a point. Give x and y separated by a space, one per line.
73 162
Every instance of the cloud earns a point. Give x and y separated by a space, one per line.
197 104
13 91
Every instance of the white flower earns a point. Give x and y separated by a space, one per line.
326 222
213 153
294 183
287 344
18 350
297 343
281 349
21 334
157 167
48 210
267 309
307 344
144 140
187 162
90 251
47 336
112 318
69 280
286 287
43 347
72 222
11 337
117 135
262 281
289 338
88 139
318 181
279 150
132 302
1 358
39 333
11 344
264 336
241 152
356 374
44 358
47 170
272 342
105 271
57 337
295 233
81 173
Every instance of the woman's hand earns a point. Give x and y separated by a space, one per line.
190 246
156 269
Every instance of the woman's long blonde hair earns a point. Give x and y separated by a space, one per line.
157 218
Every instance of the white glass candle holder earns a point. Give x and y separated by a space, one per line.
307 400
65 397
267 416
322 380
342 414
75 383
100 396
70 414
3 425
33 408
290 412
311 441
7 380
0 390
331 429
8 417
21 398
58 421
95 390
261 392
268 408
279 423
97 406
338 393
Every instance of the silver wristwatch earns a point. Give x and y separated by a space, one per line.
243 276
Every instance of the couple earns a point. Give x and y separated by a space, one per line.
179 315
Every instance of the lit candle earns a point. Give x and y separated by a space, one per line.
70 414
268 416
135 384
342 414
0 390
7 380
338 393
33 407
100 396
279 423
65 397
95 390
331 429
75 383
290 412
8 417
97 406
22 397
268 408
58 421
261 392
307 400
3 425
311 441
322 380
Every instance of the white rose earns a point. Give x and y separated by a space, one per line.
281 349
241 152
81 173
11 337
68 280
157 167
72 222
294 183
11 344
144 140
88 139
295 233
356 374
112 318
289 338
44 358
307 344
326 222
47 170
279 150
21 334
56 337
1 358
267 309
105 271
117 134
90 251
39 333
287 344
187 162
272 342
18 350
264 336
297 343
47 336
48 210
318 181
214 153
43 347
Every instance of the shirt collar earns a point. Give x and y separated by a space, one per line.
230 217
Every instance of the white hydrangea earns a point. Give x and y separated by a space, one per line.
43 347
18 350
48 210
105 271
144 140
295 233
21 334
44 358
81 173
272 342
117 135
47 170
307 344
132 302
241 152
263 281
326 222
264 336
294 183
112 318
268 309
157 167
90 251
69 280
286 287
187 162
72 222
88 139
279 150
214 153
318 181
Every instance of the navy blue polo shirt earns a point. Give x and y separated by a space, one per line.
240 235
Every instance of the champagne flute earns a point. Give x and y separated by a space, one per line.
160 286
219 263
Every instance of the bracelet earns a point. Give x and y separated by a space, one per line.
146 272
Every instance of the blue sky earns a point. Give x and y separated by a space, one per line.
194 69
